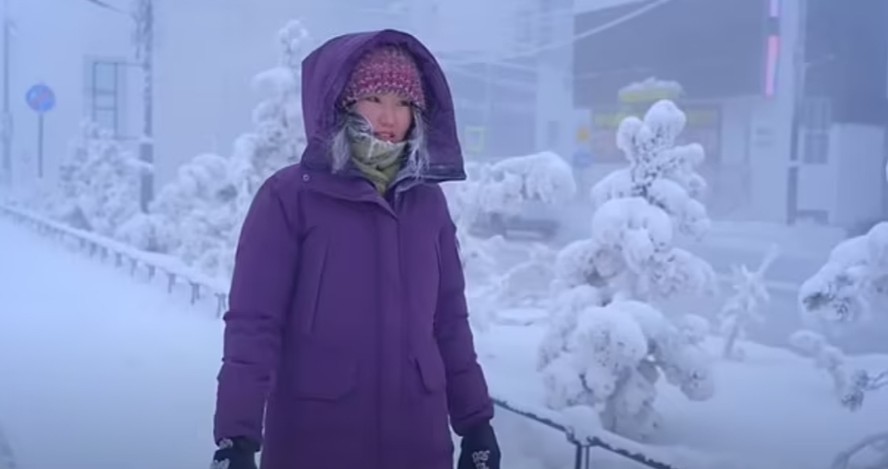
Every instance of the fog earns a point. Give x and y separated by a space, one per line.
715 170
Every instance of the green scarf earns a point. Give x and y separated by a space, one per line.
380 161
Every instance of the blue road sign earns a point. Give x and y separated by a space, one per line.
40 98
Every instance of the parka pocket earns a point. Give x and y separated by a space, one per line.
431 368
309 285
323 372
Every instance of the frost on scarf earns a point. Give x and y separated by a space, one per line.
607 346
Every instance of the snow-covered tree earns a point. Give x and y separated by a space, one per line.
607 344
743 307
611 358
191 217
197 217
502 189
100 182
278 138
505 188
851 285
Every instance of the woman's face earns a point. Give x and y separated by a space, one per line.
389 114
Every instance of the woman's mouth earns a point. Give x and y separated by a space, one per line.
386 136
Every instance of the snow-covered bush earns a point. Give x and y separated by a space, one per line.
743 306
504 188
99 183
607 344
191 217
845 292
852 283
197 217
611 358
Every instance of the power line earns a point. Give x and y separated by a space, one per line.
559 44
107 6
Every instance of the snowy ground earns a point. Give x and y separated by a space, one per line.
98 369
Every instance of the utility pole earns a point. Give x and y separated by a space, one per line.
6 123
145 44
143 17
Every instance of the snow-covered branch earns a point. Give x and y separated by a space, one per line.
852 283
878 443
743 307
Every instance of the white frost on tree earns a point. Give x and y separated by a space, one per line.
503 188
198 216
611 358
607 344
852 283
500 189
844 292
191 217
743 307
99 182
649 88
278 138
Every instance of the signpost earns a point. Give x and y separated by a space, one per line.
41 99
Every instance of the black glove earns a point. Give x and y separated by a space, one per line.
235 453
479 449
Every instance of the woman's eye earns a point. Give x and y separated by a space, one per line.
372 99
404 103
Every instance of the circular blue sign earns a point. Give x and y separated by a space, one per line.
40 98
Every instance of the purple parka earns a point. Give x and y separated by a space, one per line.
347 338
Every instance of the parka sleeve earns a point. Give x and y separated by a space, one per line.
467 395
261 291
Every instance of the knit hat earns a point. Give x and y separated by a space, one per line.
386 69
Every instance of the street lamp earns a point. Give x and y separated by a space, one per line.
143 17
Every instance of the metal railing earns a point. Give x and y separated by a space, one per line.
7 457
177 272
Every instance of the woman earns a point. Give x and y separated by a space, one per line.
347 330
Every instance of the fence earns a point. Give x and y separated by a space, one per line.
7 458
177 272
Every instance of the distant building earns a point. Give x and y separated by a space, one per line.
745 93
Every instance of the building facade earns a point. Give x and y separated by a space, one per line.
766 84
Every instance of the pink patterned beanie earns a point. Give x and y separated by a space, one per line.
386 69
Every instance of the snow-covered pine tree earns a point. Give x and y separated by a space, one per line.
608 345
743 306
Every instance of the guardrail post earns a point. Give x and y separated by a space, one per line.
221 304
195 292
